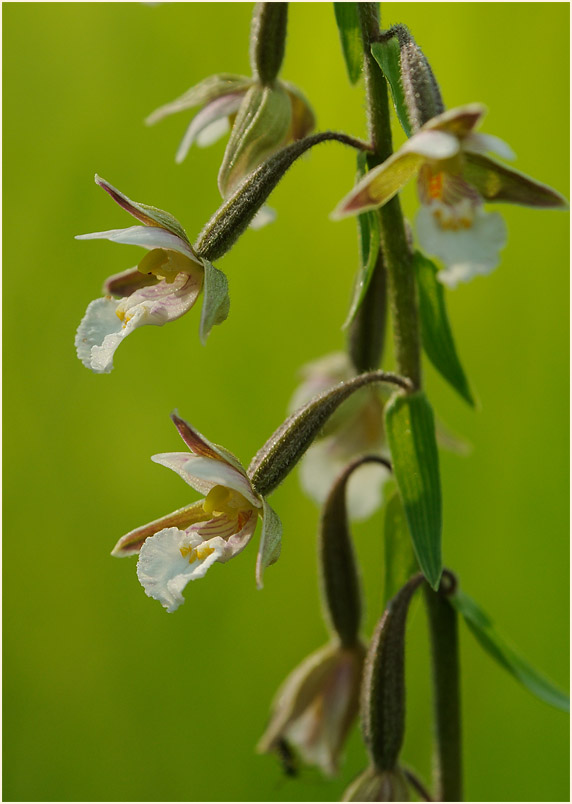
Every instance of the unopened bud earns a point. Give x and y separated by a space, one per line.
268 40
374 785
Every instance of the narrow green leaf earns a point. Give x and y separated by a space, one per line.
400 561
350 37
216 301
369 243
270 541
483 629
388 55
435 328
410 427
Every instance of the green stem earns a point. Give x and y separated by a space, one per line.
397 255
447 694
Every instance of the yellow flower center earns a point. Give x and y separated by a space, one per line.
164 264
197 553
222 500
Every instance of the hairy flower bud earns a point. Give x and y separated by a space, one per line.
268 40
374 785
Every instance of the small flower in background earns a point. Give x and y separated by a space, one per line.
355 429
454 178
181 546
263 120
317 705
163 287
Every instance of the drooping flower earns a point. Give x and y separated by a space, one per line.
454 178
163 287
263 120
317 705
376 785
355 429
181 546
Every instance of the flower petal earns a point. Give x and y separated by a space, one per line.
102 329
238 541
379 185
496 182
206 123
203 474
199 445
303 118
208 90
127 282
432 144
147 236
164 571
459 121
320 467
150 216
465 252
263 217
482 143
131 543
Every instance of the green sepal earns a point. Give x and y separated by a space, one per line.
216 301
436 331
347 19
260 128
483 629
270 541
369 243
400 561
388 55
497 182
410 428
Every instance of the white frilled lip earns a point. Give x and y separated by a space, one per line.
148 237
466 252
164 571
102 330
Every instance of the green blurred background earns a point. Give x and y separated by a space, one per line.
106 697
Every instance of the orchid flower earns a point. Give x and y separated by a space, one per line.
317 705
355 430
263 119
181 546
163 287
454 178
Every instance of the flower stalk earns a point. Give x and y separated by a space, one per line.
397 255
448 766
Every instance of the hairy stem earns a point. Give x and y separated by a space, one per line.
447 695
397 255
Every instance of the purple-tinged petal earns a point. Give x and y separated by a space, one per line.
303 118
208 90
240 539
199 445
146 236
215 112
459 121
150 216
177 461
131 543
483 143
108 321
496 182
379 185
127 282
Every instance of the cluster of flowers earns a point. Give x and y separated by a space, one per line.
318 703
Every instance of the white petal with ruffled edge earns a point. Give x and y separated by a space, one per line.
101 330
465 252
146 236
164 571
